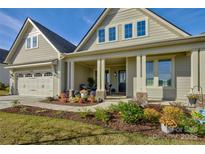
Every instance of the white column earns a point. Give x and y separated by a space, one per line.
194 69
143 76
59 76
72 75
11 82
202 70
156 76
98 74
102 74
68 75
138 75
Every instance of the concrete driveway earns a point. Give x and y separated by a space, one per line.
6 101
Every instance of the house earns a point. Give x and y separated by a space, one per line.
131 50
4 74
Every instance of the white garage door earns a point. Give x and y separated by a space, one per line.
37 84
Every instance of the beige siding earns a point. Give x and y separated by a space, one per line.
183 74
202 70
44 51
117 17
82 73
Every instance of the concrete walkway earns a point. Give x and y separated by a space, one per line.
6 101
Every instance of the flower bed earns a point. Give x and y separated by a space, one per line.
132 118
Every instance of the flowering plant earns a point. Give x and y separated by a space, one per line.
193 96
168 122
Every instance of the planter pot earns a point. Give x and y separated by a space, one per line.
166 129
192 101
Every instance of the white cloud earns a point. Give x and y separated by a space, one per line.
88 20
10 22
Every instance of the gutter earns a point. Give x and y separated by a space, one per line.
193 39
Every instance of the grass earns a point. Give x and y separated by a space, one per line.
27 129
4 93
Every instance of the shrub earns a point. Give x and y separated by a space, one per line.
130 112
2 86
174 113
7 89
15 103
84 114
152 115
102 114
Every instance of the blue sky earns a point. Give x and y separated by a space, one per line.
73 24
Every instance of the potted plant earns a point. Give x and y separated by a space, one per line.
192 98
167 125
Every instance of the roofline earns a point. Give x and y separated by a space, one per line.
25 22
192 39
169 22
81 41
150 11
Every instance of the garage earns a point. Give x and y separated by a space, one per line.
35 84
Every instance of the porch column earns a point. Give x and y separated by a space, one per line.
12 83
138 73
100 93
194 68
68 75
156 78
72 71
98 74
143 76
102 74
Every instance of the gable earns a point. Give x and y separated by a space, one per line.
20 54
158 29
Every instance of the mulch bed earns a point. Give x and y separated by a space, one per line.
69 104
114 123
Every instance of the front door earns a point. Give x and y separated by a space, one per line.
122 80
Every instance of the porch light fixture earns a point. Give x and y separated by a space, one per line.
115 74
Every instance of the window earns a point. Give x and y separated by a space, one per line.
141 28
165 72
20 75
128 31
112 34
48 74
101 35
28 75
149 73
28 43
32 42
37 75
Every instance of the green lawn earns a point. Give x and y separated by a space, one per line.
3 93
26 129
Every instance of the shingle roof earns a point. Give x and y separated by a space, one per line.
59 42
3 54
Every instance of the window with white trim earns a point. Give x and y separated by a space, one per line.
112 34
28 75
165 72
141 28
37 75
101 35
48 74
32 42
149 73
128 31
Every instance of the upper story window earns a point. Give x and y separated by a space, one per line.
149 73
37 75
28 75
48 74
101 35
165 72
128 31
32 42
112 34
141 28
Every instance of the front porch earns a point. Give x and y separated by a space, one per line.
163 77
